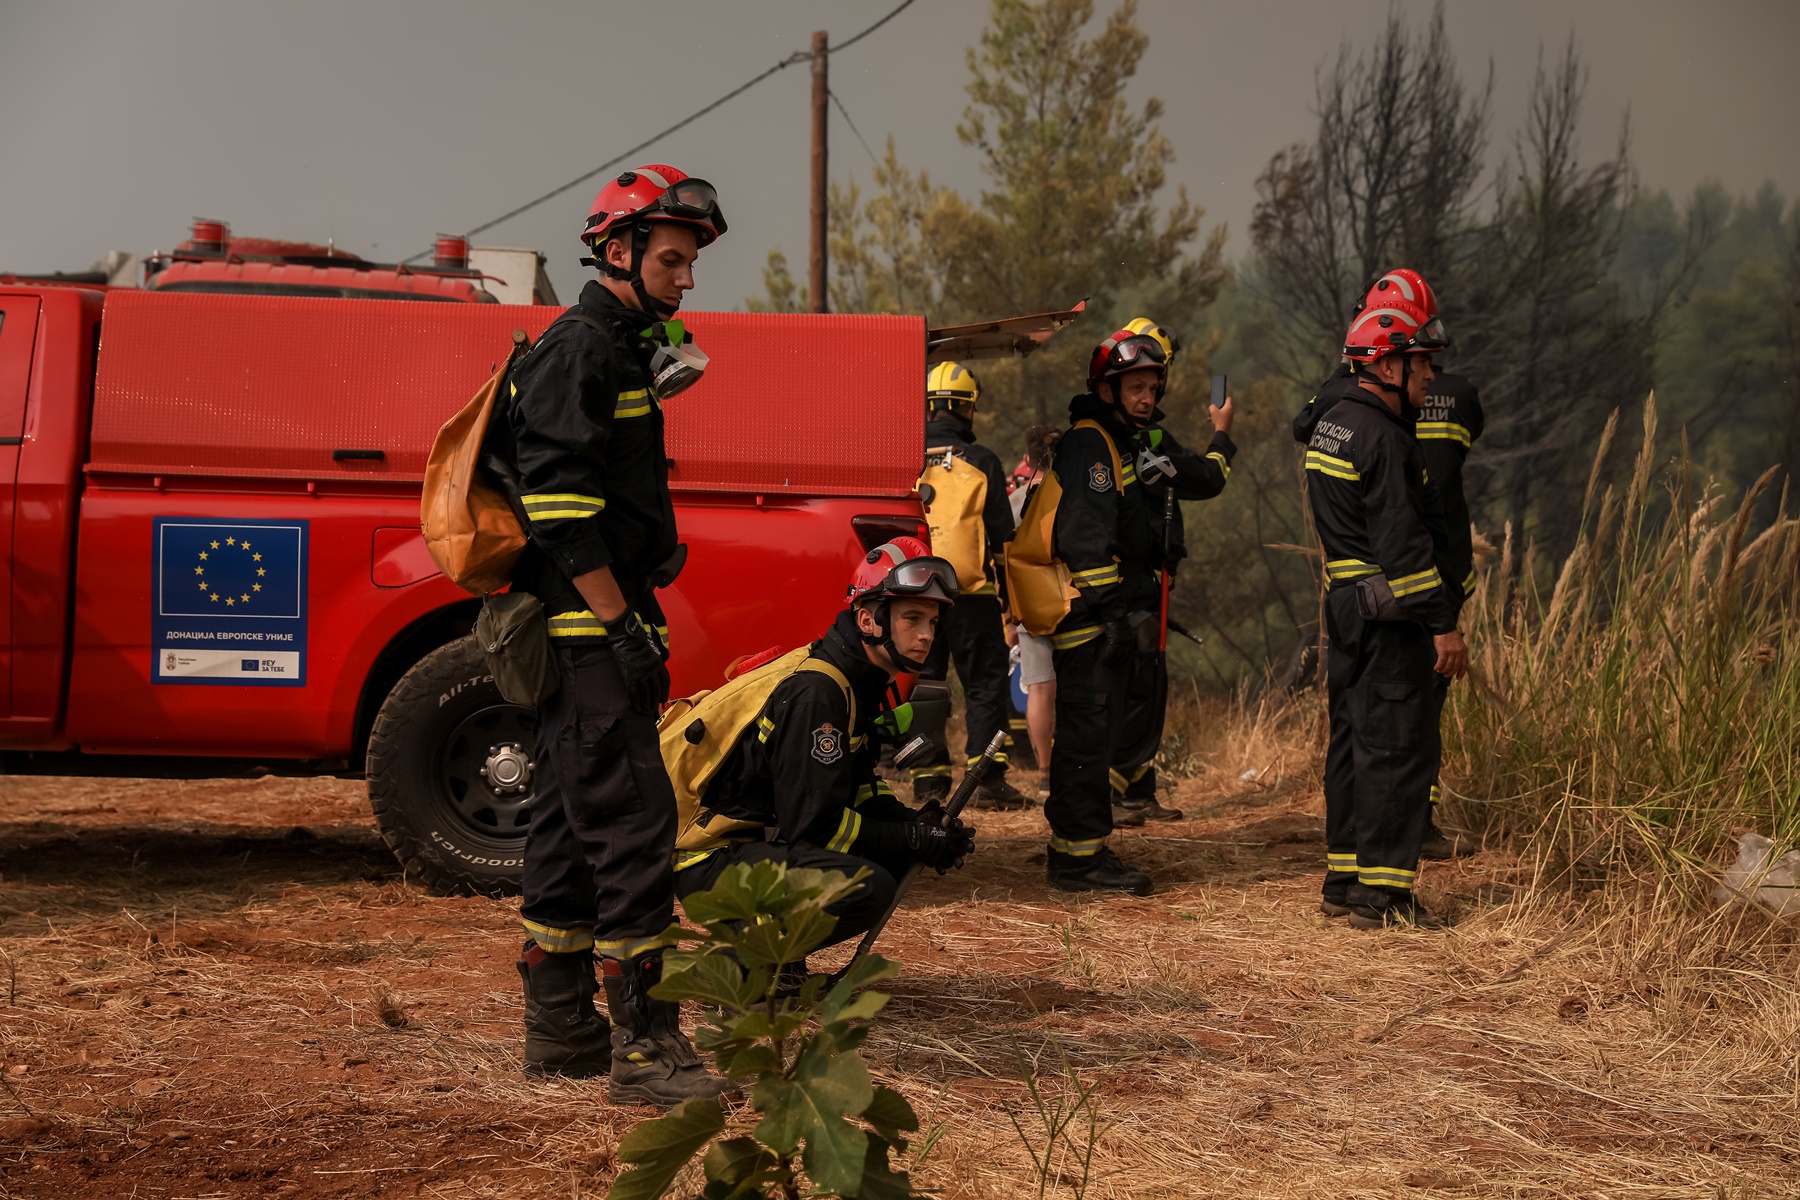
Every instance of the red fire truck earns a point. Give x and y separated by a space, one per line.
209 544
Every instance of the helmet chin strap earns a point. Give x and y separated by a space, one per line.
1118 405
885 639
634 275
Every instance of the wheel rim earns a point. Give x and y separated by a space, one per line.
487 770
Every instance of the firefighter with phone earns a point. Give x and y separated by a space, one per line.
579 434
970 519
798 784
1391 619
1169 472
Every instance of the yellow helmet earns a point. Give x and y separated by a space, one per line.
1148 328
950 383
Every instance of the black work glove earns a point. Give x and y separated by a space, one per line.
939 847
640 662
1121 642
930 813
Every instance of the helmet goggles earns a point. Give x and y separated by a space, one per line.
916 576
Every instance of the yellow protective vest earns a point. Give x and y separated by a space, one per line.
959 494
697 734
1037 583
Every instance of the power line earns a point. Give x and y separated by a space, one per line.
796 57
852 125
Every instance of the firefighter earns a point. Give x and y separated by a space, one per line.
582 432
1445 428
1104 536
1390 616
808 777
970 522
1163 463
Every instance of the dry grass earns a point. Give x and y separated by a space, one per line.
206 1002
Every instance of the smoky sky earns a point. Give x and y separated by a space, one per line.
377 124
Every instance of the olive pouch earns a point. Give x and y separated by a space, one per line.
514 637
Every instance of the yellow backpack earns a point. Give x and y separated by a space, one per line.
959 493
697 734
1037 582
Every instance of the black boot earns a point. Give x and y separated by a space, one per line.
652 1060
1126 818
1333 902
931 787
1000 795
1095 873
1388 908
564 1033
1149 809
1439 846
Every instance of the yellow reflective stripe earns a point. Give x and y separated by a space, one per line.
882 789
1349 568
1337 468
1127 474
1074 637
577 624
1443 431
1393 877
633 404
627 948
687 858
1344 863
1423 581
942 772
1469 583
1000 758
551 506
558 941
1078 848
862 793
847 829
1434 793
1095 576
764 727
1119 782
1218 456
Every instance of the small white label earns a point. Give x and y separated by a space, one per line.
228 664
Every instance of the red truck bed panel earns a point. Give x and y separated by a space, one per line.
268 387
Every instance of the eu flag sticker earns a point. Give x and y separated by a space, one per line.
229 603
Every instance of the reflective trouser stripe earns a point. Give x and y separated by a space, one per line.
1469 583
1340 863
1434 793
1119 782
1080 849
1387 877
942 772
999 758
559 941
627 948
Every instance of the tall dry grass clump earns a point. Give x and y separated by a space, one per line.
1626 719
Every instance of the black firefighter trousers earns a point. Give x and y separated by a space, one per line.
1095 721
856 912
599 867
1383 756
972 633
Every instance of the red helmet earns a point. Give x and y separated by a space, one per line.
1393 327
655 193
903 567
1402 283
1126 351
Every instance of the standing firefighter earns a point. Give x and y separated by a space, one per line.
1164 465
1391 619
970 520
1445 428
583 432
1104 536
798 784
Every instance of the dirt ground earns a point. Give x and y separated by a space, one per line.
226 988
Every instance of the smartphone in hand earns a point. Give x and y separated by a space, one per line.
1218 390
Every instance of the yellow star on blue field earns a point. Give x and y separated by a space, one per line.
203 554
247 546
231 541
229 601
199 570
256 587
215 595
253 557
215 545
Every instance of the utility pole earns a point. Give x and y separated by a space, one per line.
817 266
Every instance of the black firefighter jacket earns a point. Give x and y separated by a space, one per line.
1198 476
806 769
1109 534
1366 481
944 429
584 438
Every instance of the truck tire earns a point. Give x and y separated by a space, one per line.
451 775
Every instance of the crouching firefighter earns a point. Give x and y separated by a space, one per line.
971 519
1390 616
779 764
1169 472
1104 537
578 438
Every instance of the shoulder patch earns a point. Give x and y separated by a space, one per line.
828 743
1100 477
